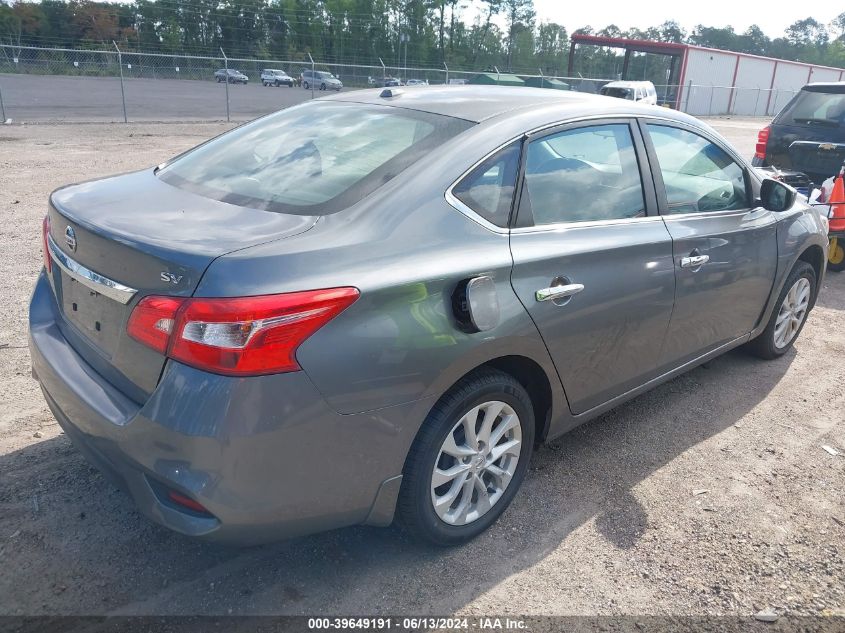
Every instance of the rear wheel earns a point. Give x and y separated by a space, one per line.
789 315
468 460
305 85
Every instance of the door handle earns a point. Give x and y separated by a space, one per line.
694 261
558 292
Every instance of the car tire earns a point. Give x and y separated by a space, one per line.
789 314
467 515
305 85
322 86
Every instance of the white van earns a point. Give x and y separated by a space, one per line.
642 91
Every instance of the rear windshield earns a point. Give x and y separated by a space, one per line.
821 108
619 93
312 159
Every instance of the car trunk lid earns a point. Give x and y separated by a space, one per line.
148 237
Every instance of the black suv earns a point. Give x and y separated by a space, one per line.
808 135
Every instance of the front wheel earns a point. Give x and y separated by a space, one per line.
322 86
468 460
789 315
305 85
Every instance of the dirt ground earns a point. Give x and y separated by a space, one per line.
611 519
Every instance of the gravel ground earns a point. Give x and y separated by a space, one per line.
709 495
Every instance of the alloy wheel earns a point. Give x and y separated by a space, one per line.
792 312
476 463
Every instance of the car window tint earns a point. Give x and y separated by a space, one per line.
312 159
585 174
488 189
815 107
699 176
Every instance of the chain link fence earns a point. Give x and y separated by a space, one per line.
53 84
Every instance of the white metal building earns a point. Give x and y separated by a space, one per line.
710 81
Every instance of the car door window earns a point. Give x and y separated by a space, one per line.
583 174
698 175
488 189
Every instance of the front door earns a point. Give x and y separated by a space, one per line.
592 259
725 248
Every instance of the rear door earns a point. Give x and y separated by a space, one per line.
725 247
592 259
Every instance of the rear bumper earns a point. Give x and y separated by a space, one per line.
266 456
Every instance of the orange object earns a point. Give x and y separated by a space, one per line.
837 202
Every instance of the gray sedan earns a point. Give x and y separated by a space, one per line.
373 306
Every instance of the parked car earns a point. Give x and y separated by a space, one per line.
272 77
234 76
320 79
808 135
347 312
416 82
641 91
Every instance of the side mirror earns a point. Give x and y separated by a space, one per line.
776 196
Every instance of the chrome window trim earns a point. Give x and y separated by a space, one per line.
586 224
711 214
472 215
87 277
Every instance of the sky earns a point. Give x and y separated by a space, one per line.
772 17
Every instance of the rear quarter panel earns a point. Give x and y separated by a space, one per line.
406 249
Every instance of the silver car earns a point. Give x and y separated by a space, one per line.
320 80
372 307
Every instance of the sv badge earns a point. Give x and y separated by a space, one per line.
170 277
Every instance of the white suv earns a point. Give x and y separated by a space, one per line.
642 91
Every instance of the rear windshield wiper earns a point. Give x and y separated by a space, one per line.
828 122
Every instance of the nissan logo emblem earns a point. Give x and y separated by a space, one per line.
70 238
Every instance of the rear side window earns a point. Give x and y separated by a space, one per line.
312 159
584 174
822 108
698 175
488 189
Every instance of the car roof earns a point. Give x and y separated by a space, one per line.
627 84
480 103
826 86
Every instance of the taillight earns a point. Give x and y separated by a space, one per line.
762 142
45 231
240 336
152 321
